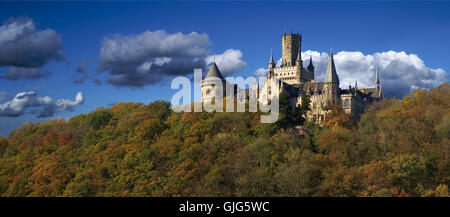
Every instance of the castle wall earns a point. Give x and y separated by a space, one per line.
296 80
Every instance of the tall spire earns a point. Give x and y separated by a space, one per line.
331 75
271 57
377 79
310 66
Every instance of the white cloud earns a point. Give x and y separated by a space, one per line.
229 62
149 57
261 72
278 64
400 72
30 102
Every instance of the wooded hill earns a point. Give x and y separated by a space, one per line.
398 148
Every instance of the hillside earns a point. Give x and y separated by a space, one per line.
398 148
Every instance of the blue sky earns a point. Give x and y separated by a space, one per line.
253 28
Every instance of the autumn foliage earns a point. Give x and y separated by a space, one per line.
397 148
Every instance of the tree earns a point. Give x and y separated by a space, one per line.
304 108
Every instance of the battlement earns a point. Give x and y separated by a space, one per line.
287 35
285 68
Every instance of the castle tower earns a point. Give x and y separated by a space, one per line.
332 81
291 45
210 84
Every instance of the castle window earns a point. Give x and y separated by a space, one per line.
314 105
346 103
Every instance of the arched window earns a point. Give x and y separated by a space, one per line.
347 102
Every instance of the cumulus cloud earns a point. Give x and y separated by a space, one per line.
400 73
278 64
229 62
149 57
261 72
26 49
30 102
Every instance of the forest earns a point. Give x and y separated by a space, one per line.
399 147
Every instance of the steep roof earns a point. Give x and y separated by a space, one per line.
310 66
271 58
331 75
214 72
312 87
375 92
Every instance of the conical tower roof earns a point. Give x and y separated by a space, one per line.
214 72
310 66
271 57
331 75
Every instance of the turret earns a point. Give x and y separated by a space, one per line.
271 62
298 62
209 85
271 66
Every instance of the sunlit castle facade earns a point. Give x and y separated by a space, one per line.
296 81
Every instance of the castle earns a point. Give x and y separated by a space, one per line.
296 81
